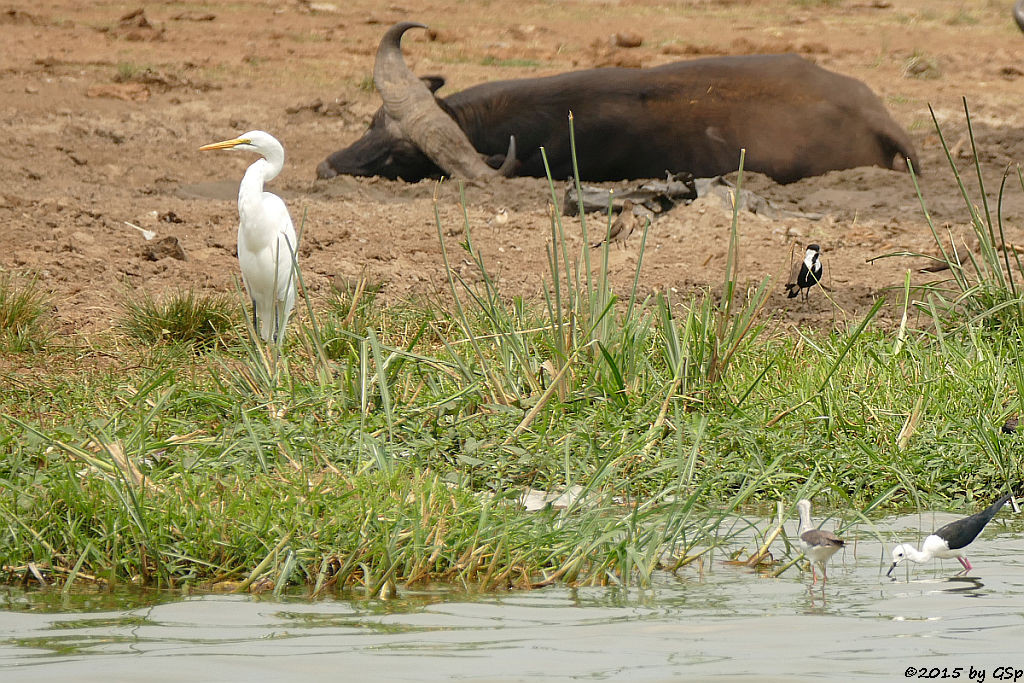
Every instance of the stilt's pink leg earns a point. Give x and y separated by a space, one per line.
966 563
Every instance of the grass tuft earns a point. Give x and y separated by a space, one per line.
181 317
982 287
922 67
23 306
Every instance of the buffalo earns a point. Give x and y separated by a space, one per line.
794 118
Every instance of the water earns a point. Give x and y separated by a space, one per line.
719 623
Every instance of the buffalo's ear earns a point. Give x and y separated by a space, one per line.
433 83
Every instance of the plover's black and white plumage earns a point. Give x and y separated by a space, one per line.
805 274
950 540
818 545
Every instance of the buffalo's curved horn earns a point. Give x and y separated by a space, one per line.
411 104
508 166
1018 13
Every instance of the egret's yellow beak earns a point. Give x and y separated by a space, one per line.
226 144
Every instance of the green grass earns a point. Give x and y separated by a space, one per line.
128 71
181 317
23 307
366 84
403 464
985 287
389 444
518 63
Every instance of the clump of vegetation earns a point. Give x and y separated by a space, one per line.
351 310
921 66
491 60
985 287
23 305
366 84
962 17
181 317
393 446
128 71
817 3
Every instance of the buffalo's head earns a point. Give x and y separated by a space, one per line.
383 150
413 135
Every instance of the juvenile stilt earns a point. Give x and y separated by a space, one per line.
818 544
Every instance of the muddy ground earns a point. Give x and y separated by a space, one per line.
102 109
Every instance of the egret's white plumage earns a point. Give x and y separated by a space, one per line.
266 237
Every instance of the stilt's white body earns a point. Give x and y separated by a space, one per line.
950 540
818 545
819 554
266 236
932 547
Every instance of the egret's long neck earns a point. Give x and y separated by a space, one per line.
255 176
273 154
258 233
261 171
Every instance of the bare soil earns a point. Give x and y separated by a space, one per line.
102 110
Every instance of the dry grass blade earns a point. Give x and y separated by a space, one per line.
541 402
128 469
258 569
910 425
762 552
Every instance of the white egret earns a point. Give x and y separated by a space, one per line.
266 237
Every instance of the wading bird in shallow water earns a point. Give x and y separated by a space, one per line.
266 237
949 541
818 545
805 274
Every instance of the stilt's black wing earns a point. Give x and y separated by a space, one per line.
821 538
961 532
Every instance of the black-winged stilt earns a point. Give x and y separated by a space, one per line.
950 540
818 544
